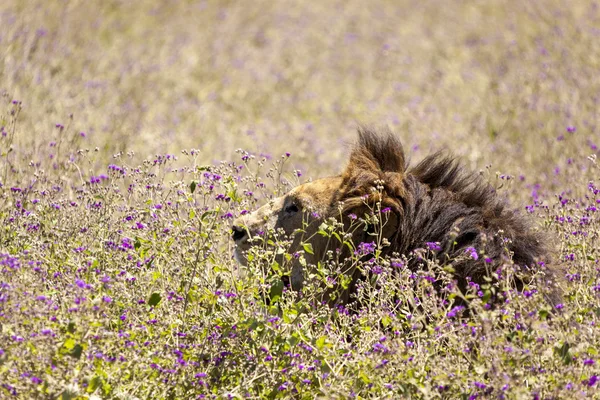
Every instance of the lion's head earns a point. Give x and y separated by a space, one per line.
373 175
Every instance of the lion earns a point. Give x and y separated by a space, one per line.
435 202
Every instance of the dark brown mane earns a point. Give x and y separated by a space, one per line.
441 170
438 201
382 152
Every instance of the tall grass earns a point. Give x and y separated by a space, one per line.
116 272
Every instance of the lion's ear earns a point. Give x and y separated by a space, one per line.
375 157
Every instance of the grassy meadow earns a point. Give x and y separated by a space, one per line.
133 133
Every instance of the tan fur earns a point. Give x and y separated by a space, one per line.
314 198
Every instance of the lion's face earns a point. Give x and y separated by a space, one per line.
302 209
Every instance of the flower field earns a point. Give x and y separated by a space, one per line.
132 134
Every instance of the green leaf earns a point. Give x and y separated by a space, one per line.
193 186
320 343
308 248
450 269
76 351
192 296
350 246
154 299
487 295
364 377
293 339
345 281
337 236
69 344
95 383
71 348
276 290
234 196
156 275
206 214
563 353
289 315
385 321
275 267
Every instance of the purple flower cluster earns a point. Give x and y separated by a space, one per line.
365 248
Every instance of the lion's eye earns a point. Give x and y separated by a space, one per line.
292 208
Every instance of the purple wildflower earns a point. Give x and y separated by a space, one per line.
452 313
433 246
472 253
365 248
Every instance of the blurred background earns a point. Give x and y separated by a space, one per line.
509 83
